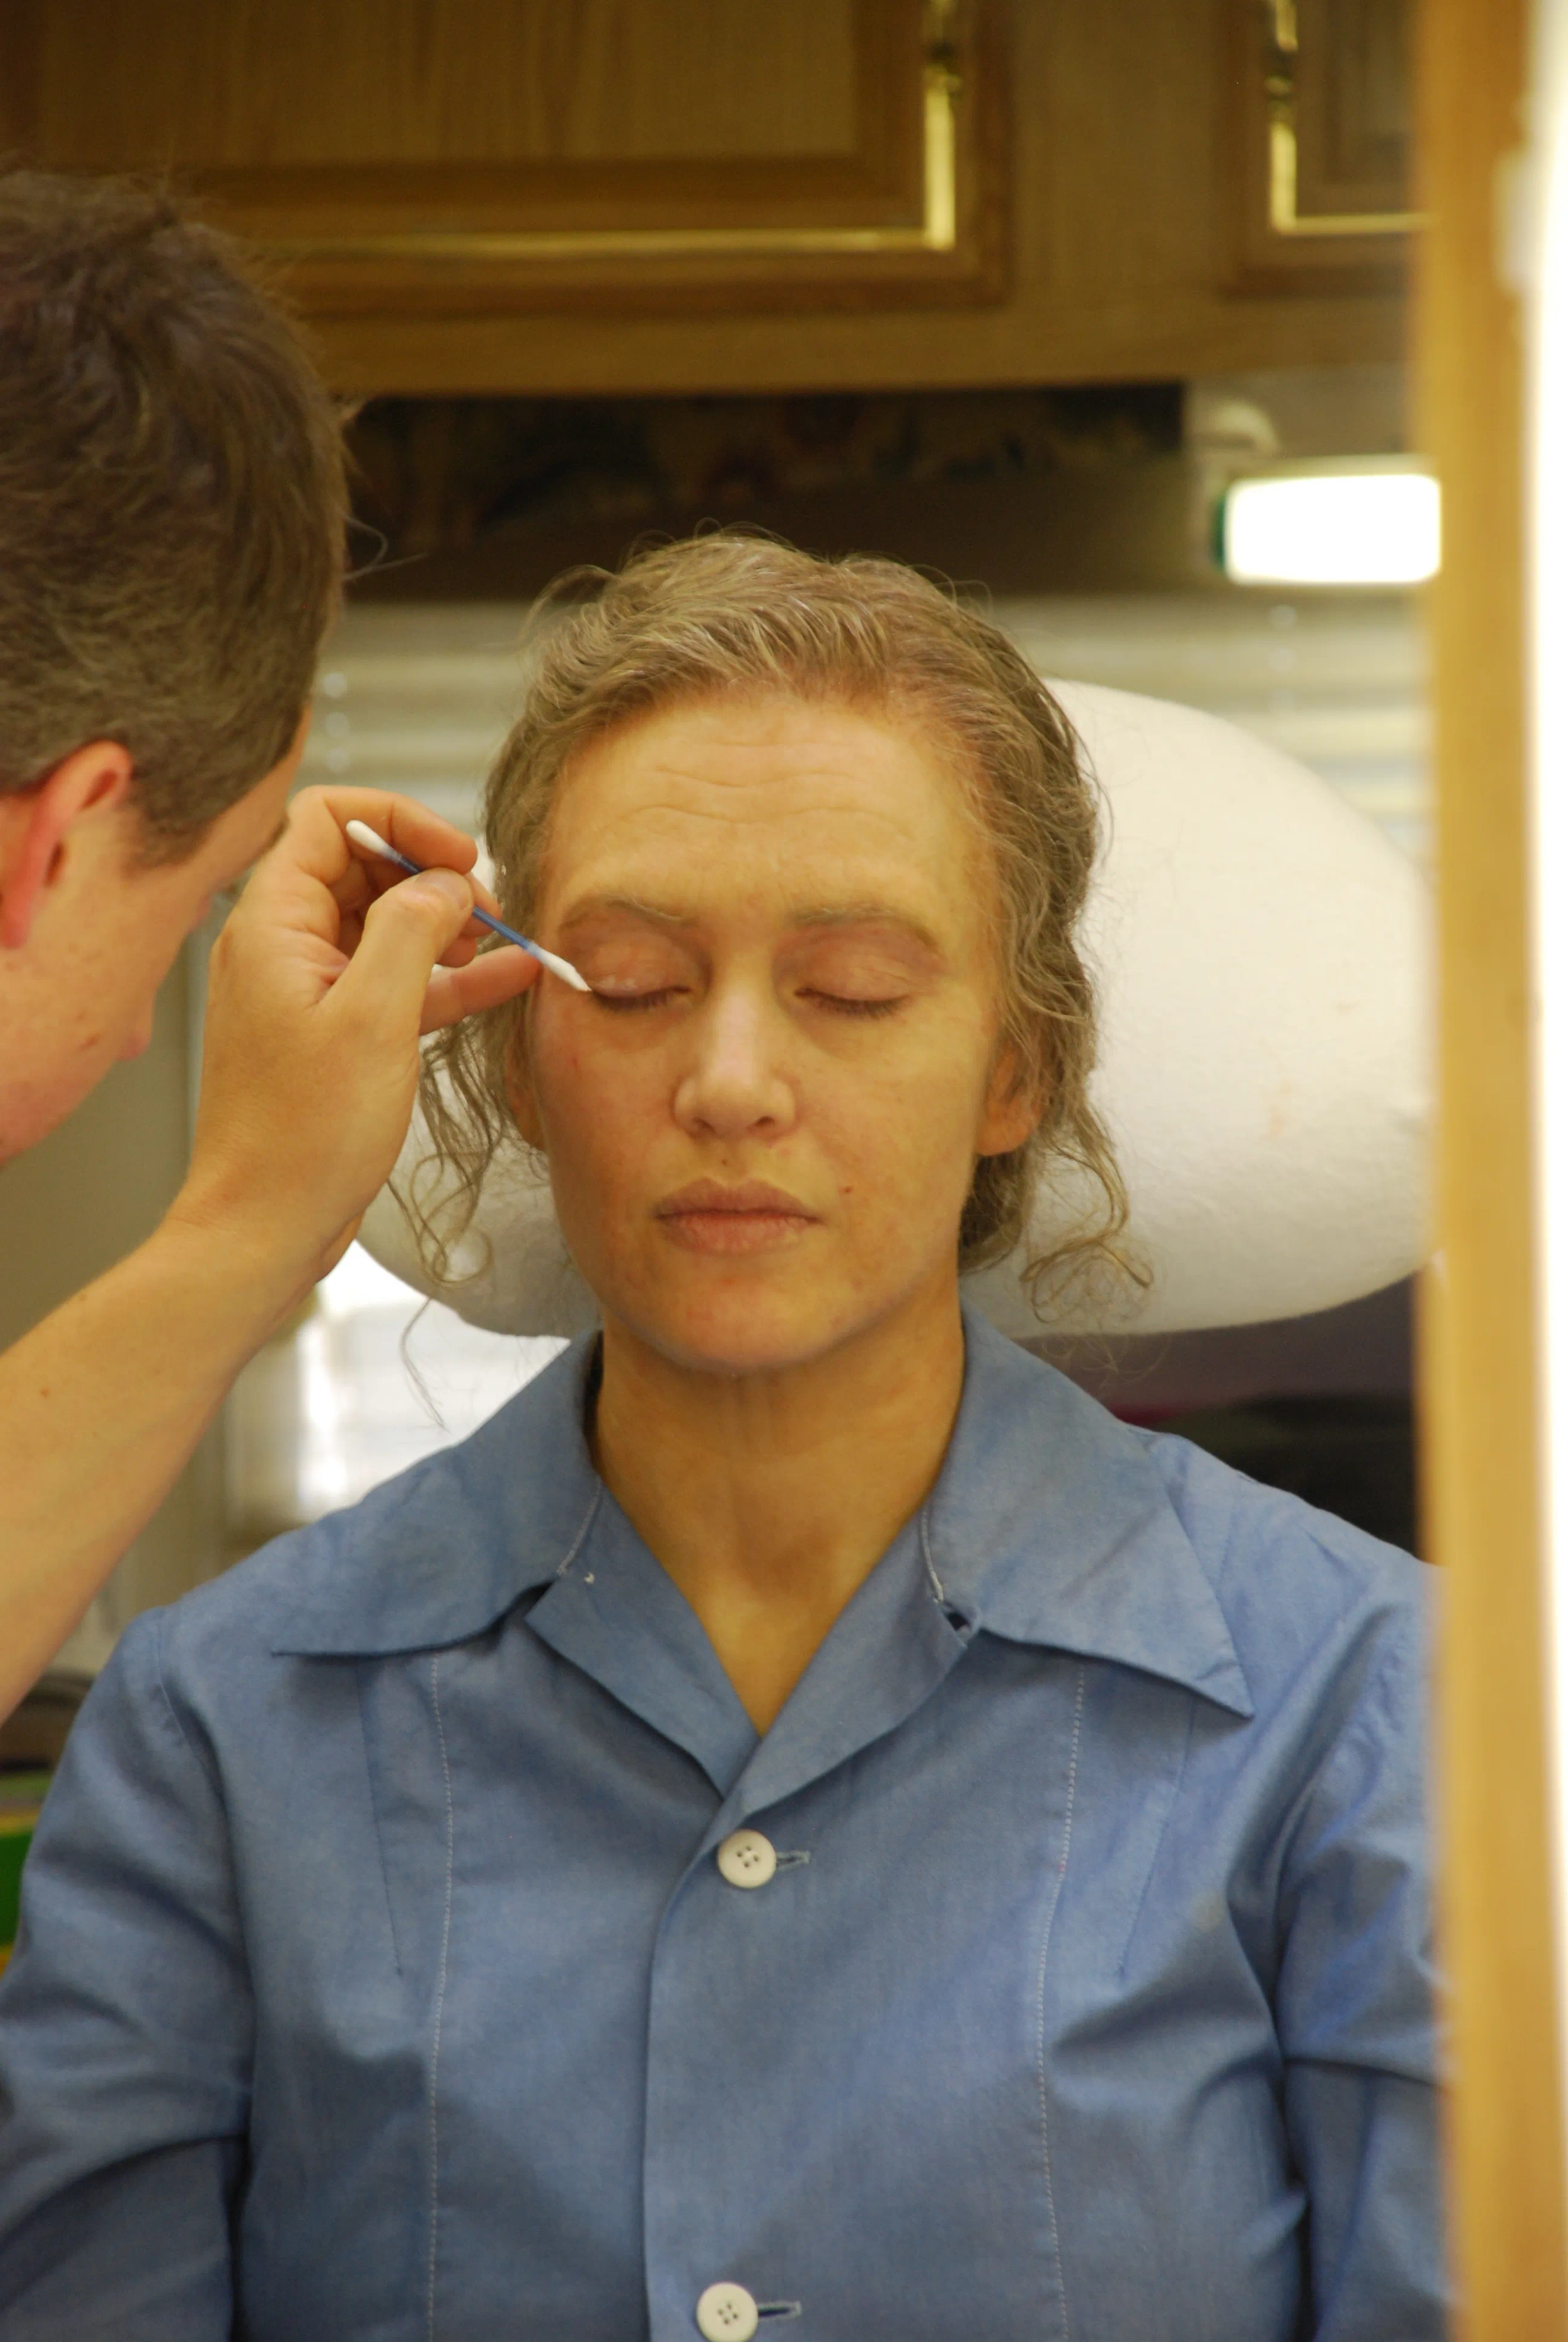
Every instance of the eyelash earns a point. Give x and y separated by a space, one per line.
623 1001
855 1007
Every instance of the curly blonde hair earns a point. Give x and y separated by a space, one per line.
724 613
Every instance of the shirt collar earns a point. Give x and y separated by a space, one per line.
441 1553
1050 1522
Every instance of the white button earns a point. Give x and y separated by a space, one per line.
747 1859
727 2312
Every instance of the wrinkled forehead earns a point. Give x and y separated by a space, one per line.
768 794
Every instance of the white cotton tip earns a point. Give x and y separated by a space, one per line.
363 834
560 967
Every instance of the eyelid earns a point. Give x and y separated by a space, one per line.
653 999
860 959
850 1006
623 987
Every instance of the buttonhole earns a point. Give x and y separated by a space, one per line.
789 1862
778 2310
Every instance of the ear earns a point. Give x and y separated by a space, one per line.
1012 1110
35 824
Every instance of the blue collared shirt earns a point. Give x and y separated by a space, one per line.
378 1978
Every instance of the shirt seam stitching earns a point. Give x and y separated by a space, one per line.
581 1538
936 1584
172 1712
439 1996
1040 1998
1170 1804
376 1822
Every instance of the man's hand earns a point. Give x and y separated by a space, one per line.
323 979
322 983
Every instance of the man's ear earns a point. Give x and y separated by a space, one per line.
1012 1107
35 824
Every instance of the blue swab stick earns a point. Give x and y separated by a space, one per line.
363 834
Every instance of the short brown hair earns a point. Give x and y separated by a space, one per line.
172 500
724 613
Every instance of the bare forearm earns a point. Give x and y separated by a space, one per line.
100 1407
321 985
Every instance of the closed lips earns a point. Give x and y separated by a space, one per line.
718 1218
752 1196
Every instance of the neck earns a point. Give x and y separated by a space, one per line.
769 1497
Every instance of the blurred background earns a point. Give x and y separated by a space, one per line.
1037 297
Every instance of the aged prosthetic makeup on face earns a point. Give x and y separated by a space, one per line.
817 837
763 1125
819 842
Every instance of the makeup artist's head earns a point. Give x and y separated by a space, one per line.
818 838
172 500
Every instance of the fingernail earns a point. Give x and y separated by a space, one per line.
456 890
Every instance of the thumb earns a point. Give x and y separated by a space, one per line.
405 932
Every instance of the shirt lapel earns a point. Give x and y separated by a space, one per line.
616 1614
884 1656
1052 1523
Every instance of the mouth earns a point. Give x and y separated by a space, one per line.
708 1216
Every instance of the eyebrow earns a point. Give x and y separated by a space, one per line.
813 915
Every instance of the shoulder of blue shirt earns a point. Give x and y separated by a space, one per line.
1053 1522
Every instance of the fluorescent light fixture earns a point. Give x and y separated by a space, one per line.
1360 525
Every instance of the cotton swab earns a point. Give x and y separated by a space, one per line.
363 834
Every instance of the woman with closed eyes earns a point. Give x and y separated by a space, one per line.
803 1820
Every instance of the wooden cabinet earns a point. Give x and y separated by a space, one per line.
579 197
514 155
1326 141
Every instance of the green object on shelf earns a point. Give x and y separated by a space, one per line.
21 1794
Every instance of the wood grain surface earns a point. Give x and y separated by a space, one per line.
1481 1370
526 155
1099 198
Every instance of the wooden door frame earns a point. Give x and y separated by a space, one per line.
1479 1345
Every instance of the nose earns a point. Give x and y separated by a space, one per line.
735 1084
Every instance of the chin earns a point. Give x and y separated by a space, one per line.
735 1331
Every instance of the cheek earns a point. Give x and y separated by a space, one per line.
901 1137
116 982
594 1104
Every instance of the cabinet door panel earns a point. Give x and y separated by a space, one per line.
1353 94
369 82
456 154
1324 140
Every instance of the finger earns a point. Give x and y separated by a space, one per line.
483 898
312 877
425 837
413 829
365 886
405 932
307 882
441 851
381 877
494 977
466 948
